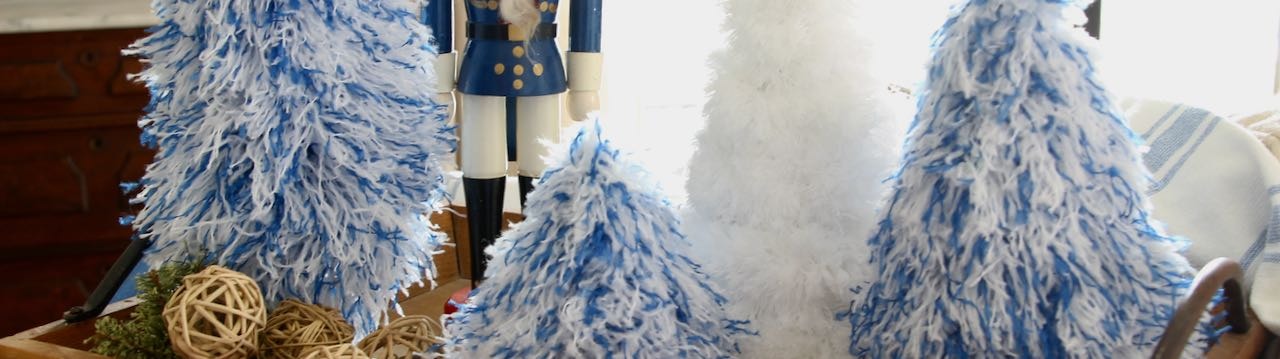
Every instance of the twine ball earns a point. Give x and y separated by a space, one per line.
339 351
294 327
216 313
402 337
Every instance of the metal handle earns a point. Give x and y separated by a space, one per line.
107 288
1219 273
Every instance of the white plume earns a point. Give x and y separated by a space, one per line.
784 183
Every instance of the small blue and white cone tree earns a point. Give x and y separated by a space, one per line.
597 269
1018 225
297 143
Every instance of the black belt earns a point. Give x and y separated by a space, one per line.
501 31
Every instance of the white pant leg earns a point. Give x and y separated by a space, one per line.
484 136
537 118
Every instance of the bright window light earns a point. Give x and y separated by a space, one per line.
655 75
1220 55
656 70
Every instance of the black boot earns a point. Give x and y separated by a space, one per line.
526 186
484 219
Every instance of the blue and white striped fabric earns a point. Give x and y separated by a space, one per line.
1217 186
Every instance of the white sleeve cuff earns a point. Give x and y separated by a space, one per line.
584 70
445 66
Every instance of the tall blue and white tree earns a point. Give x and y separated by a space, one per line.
1018 225
597 269
297 143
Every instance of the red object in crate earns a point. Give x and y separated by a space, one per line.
456 300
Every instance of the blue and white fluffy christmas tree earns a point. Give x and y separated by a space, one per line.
297 143
597 269
1018 225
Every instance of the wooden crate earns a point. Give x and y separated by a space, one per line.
62 340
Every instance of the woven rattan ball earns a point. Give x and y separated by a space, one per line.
402 337
293 327
216 313
339 351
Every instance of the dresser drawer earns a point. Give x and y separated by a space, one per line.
49 75
63 187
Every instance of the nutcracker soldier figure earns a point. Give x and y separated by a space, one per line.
511 79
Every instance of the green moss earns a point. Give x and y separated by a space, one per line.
144 334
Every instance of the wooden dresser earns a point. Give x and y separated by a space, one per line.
68 138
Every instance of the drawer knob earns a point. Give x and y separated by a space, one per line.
88 58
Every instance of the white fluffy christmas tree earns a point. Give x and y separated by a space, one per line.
799 138
597 269
297 143
1018 225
